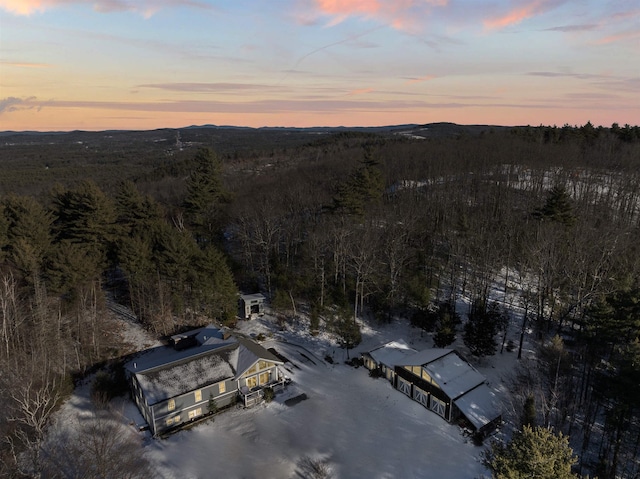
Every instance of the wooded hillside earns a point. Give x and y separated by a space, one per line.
340 225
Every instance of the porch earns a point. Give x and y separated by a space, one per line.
253 396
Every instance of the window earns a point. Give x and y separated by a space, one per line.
264 365
222 387
265 377
252 382
171 405
172 420
426 376
252 370
198 395
195 413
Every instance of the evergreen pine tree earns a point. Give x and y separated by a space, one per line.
445 330
364 186
529 411
214 287
85 215
28 234
205 194
558 207
481 328
348 331
533 452
212 406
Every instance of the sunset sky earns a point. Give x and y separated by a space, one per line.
144 64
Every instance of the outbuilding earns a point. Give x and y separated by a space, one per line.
251 305
441 381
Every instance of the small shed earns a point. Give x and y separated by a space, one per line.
251 305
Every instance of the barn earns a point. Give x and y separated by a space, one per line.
441 381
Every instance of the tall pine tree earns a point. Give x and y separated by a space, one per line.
205 196
533 452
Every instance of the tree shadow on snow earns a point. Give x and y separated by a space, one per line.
310 468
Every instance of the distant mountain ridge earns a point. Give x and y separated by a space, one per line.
433 129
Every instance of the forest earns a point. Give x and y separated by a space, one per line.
340 226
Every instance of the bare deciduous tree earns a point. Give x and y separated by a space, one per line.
95 447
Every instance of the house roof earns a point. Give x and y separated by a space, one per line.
165 372
460 381
424 357
188 374
391 353
451 373
454 375
249 297
250 353
479 406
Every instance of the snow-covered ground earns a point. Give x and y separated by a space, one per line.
360 426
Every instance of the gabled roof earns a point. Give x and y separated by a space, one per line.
391 353
479 406
253 296
249 353
188 374
424 357
454 375
449 371
460 381
165 372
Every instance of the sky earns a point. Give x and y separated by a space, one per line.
146 64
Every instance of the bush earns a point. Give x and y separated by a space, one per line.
355 362
212 406
268 394
100 389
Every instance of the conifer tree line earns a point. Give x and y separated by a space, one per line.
348 228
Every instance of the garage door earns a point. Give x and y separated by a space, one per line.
421 396
437 406
404 386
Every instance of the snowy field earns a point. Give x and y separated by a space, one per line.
361 427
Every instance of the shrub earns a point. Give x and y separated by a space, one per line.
101 389
268 394
212 406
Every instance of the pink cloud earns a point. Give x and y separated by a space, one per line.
400 14
618 37
25 64
421 79
144 7
361 91
521 12
27 7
